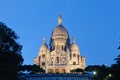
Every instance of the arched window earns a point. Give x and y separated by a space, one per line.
43 63
74 55
62 47
70 57
78 57
52 63
74 63
57 59
43 55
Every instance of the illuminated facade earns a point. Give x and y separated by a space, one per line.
61 56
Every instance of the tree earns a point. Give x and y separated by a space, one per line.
115 68
78 70
31 69
10 53
118 57
99 72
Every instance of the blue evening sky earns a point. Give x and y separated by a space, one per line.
94 23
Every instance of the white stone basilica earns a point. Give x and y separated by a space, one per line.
61 56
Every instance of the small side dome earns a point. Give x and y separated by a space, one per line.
60 31
44 45
74 47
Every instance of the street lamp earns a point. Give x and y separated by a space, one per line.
94 73
110 75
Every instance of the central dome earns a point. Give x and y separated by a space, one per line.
60 29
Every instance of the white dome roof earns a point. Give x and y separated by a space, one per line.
60 31
44 45
74 47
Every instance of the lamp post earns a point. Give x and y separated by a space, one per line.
94 73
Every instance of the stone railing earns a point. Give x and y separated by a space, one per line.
55 77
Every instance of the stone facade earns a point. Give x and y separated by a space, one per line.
61 56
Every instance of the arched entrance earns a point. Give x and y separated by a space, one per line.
51 71
63 71
57 71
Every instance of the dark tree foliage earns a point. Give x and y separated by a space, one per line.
10 53
101 71
115 68
78 70
31 69
117 59
106 73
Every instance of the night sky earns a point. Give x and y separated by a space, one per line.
94 23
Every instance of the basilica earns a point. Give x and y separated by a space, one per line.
61 56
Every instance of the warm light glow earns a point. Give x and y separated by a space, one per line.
94 72
110 75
